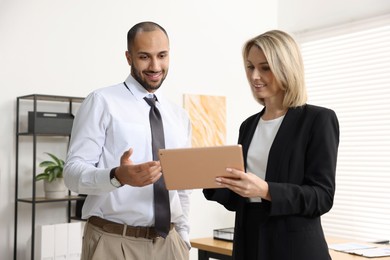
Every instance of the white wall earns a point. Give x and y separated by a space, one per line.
73 47
306 15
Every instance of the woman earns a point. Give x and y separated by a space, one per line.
290 150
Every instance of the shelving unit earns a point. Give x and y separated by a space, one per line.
33 102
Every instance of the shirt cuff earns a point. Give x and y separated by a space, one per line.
103 180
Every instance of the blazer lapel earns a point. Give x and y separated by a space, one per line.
247 134
281 145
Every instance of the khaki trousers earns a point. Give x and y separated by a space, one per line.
100 245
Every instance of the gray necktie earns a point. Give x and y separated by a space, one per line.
162 210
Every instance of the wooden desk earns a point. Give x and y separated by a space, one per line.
210 247
219 249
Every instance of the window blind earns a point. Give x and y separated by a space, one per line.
348 70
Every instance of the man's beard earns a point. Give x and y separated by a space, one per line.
137 76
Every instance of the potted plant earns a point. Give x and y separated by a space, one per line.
54 186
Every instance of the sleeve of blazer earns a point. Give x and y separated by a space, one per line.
225 197
310 186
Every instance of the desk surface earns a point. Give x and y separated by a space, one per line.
213 245
223 247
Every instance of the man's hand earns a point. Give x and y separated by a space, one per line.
137 175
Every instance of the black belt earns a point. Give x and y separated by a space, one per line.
121 229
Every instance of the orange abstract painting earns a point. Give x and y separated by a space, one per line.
208 119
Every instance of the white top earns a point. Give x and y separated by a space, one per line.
110 121
258 151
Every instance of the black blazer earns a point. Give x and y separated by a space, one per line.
301 177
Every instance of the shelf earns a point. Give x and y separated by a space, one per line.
52 98
77 218
45 200
33 123
40 134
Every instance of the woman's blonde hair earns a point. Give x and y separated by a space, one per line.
285 60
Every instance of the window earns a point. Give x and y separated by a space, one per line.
348 70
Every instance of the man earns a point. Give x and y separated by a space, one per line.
111 159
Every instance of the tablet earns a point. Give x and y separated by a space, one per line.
197 168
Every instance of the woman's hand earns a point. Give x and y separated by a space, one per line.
245 184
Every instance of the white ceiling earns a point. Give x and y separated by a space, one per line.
303 15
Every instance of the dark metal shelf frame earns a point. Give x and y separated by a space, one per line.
34 200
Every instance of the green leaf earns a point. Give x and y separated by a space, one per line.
41 176
59 162
46 164
53 169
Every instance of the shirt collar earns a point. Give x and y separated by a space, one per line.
139 91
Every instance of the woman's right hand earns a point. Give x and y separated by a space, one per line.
245 184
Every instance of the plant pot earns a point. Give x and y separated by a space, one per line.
55 189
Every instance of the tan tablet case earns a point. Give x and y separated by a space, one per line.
197 168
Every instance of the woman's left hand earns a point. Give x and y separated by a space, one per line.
245 184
